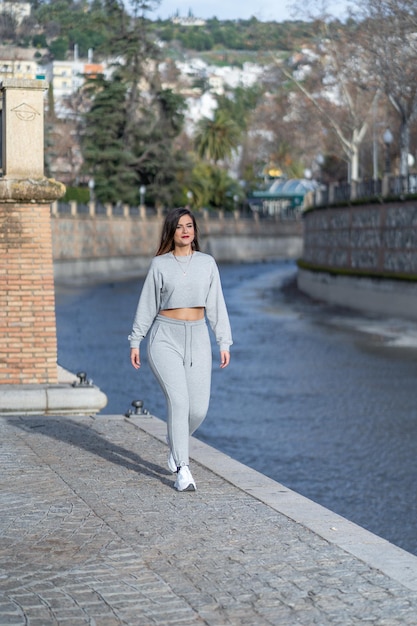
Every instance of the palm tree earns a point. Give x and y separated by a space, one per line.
216 138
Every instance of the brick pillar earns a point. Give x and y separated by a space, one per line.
28 346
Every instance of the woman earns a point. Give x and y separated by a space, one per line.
182 287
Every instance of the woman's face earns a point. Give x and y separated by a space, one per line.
184 233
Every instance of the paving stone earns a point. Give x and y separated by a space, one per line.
93 532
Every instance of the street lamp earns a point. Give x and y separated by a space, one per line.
189 198
142 191
91 185
320 163
388 139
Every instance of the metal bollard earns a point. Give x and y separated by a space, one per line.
137 410
83 381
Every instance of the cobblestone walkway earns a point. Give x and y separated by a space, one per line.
93 532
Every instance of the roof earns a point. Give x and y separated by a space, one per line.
15 53
286 188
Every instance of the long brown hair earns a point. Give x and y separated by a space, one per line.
168 230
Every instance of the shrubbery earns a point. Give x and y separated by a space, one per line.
79 194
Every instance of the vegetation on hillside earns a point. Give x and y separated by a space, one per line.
244 35
319 107
60 24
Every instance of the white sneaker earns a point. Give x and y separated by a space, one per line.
172 466
185 481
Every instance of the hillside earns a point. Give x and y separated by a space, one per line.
59 26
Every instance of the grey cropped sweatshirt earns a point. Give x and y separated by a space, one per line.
174 284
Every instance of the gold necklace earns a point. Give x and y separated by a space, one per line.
182 263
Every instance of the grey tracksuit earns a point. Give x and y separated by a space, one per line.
180 352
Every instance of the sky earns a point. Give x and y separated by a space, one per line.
263 10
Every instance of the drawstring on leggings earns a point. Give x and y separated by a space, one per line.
186 343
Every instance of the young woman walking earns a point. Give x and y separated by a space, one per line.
182 289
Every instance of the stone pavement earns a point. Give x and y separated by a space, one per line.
93 532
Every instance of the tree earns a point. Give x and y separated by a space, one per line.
216 138
131 129
8 27
106 157
87 24
238 104
283 135
223 188
211 186
391 40
59 48
339 86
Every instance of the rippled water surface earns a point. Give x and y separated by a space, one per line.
320 399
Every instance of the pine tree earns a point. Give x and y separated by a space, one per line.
133 123
106 156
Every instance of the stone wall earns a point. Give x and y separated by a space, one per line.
374 239
102 245
370 253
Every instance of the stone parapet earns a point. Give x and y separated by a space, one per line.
375 239
98 238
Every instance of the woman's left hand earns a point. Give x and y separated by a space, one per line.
224 358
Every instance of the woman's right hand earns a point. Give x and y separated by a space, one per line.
135 358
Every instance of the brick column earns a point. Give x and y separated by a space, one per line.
28 350
28 346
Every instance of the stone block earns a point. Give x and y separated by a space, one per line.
22 128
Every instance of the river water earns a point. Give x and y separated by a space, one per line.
318 398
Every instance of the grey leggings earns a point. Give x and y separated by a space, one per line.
180 357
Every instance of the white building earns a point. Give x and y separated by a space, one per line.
188 21
66 77
19 63
197 108
233 77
